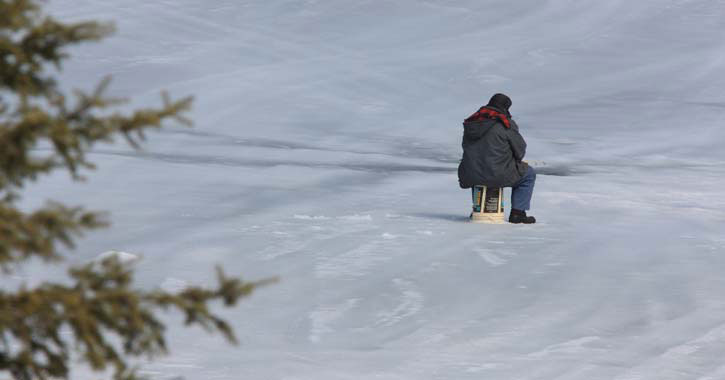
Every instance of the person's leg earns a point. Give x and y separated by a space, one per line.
521 192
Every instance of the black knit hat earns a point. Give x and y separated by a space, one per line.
501 102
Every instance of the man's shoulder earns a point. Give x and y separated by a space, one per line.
500 128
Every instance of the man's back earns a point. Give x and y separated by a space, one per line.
492 150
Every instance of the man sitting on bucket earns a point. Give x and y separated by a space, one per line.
493 153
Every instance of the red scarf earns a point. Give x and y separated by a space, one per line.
487 114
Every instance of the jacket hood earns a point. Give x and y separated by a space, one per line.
489 113
475 130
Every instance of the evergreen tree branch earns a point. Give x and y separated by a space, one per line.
100 317
102 307
38 234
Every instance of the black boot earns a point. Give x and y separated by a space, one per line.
519 216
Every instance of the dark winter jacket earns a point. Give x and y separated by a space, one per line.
492 150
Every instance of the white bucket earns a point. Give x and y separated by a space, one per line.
488 205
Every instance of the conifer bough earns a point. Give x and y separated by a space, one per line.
100 317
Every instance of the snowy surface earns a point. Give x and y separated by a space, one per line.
324 151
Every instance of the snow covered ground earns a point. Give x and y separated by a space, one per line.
324 151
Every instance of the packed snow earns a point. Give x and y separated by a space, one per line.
326 138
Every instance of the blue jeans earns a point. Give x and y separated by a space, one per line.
522 191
